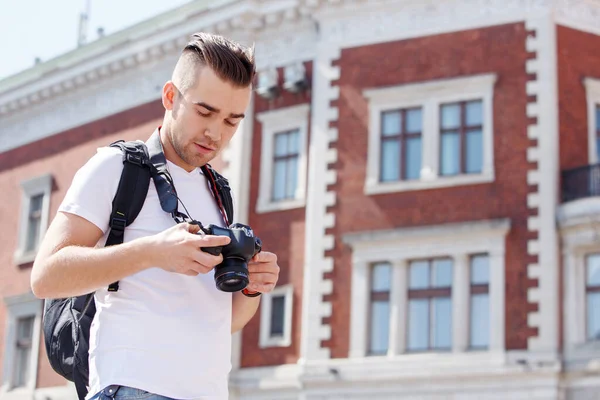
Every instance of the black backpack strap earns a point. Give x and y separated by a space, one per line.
131 193
221 191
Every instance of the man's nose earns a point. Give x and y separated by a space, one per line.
212 133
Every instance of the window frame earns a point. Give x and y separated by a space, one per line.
265 339
592 89
41 185
430 96
26 305
477 289
273 122
400 246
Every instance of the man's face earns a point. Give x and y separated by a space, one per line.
205 117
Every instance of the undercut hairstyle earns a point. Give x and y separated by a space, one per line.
229 60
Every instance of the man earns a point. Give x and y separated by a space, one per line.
166 333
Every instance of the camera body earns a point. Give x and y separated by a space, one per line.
231 275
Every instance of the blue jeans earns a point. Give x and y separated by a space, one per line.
116 392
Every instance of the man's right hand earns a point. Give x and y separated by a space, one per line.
178 249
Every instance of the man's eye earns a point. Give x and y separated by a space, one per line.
229 123
202 114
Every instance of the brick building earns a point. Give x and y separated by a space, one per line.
424 171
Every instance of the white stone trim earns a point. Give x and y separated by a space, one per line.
287 291
25 305
430 95
545 152
320 175
457 240
30 188
273 122
592 92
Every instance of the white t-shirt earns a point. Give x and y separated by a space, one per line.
162 332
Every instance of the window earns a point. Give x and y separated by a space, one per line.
461 133
21 343
35 205
430 305
592 294
276 317
439 290
285 165
479 302
400 144
284 158
592 87
380 309
431 134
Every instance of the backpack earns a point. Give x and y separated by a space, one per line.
67 321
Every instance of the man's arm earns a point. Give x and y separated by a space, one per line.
68 264
263 273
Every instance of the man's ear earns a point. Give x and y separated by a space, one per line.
168 95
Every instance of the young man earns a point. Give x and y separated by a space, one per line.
167 331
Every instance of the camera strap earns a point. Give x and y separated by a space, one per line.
165 187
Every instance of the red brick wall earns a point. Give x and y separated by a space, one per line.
282 232
578 58
500 50
61 155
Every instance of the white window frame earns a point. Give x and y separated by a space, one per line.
25 305
265 317
579 228
592 89
29 189
459 241
273 122
429 95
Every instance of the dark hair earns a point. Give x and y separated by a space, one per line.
229 60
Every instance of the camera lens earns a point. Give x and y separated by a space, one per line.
231 275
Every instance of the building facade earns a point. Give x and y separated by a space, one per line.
425 171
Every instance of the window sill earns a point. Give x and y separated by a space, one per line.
264 207
276 342
375 187
21 257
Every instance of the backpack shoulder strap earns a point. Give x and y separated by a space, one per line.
222 192
131 193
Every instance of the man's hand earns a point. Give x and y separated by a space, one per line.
178 249
263 272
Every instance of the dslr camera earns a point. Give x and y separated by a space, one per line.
232 274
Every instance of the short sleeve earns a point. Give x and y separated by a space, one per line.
93 187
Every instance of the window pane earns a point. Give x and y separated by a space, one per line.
442 323
450 116
597 117
474 113
474 152
450 153
279 170
277 315
419 274
480 269
381 278
292 178
390 160
414 121
442 272
593 316
413 158
25 328
480 320
33 232
23 351
281 144
380 327
35 204
418 325
391 123
293 142
593 270
598 148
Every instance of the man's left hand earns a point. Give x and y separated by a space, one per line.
263 272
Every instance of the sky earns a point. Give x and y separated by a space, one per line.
48 28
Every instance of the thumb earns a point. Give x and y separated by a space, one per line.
191 228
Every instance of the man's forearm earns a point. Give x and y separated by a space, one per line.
243 309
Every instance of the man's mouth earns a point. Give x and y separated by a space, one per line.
204 149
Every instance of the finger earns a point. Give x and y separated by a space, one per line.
262 278
212 240
263 288
191 228
264 256
263 267
207 260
